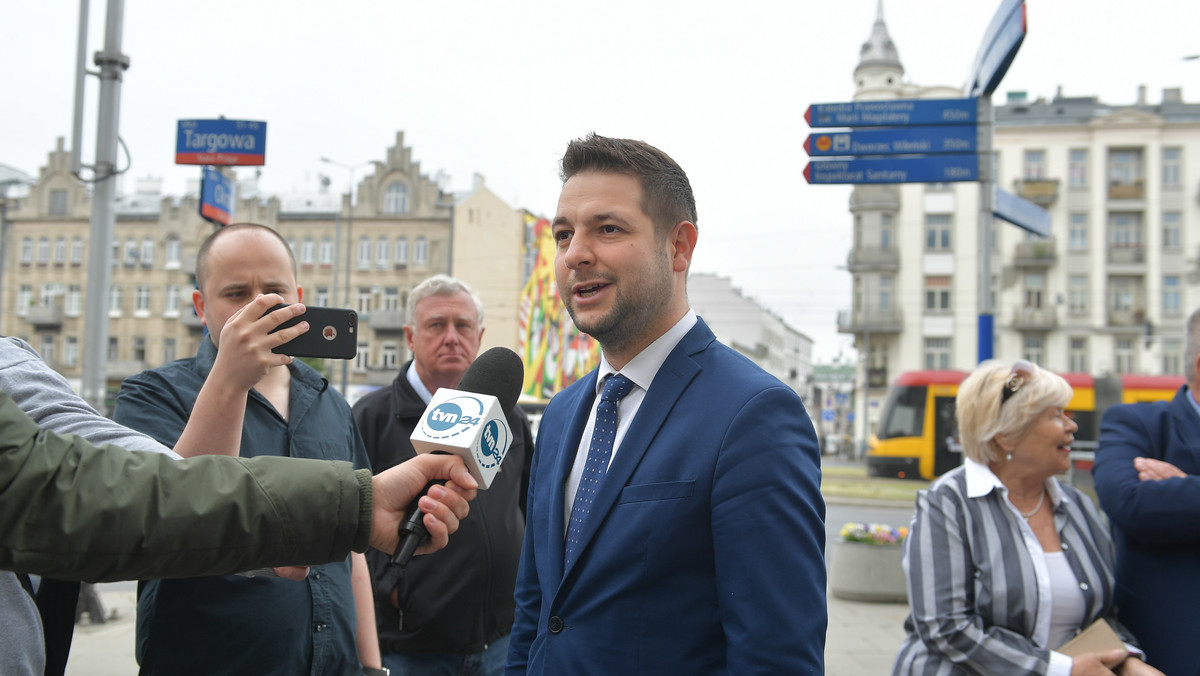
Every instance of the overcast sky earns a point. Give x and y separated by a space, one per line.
498 87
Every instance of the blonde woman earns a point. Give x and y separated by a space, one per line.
1005 563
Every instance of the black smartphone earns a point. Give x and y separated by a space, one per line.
332 333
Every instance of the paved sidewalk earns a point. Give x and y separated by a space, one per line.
862 639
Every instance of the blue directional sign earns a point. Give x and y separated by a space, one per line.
893 113
1021 212
222 142
1000 43
922 169
217 197
894 141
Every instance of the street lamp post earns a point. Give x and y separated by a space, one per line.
349 248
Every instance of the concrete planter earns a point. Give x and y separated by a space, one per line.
863 572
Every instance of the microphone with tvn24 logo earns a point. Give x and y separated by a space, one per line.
469 422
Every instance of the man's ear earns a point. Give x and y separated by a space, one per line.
681 245
198 304
299 294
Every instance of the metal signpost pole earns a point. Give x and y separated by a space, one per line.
987 188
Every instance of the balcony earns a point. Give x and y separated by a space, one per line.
873 258
386 320
1127 191
1043 192
873 320
191 321
876 197
1035 319
1126 254
381 377
1126 318
44 317
1038 253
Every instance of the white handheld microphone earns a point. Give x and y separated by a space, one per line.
469 422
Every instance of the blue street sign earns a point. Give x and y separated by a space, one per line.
1000 43
893 113
217 197
924 169
894 141
1021 212
222 142
827 415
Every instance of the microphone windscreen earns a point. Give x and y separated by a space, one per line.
498 372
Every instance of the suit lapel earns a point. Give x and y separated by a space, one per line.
669 385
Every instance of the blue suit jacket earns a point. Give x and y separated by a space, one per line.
1156 526
703 552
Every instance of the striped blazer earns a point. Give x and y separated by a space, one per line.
972 589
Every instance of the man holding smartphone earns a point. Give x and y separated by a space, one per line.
265 404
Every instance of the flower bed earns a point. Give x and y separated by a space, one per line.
865 565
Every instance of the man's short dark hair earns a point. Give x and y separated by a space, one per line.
202 255
666 192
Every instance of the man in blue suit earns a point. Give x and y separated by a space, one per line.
1147 476
686 535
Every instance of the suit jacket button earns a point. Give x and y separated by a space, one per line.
555 624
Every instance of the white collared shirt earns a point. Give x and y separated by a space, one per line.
641 370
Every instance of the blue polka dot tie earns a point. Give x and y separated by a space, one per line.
616 386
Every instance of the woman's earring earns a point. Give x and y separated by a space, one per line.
1010 457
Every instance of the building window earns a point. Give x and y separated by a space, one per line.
139 349
325 252
1170 295
60 251
70 351
74 304
321 297
1123 355
391 299
26 251
421 251
1171 231
1035 165
1078 237
937 354
363 300
306 251
885 231
1172 356
1077 294
1122 293
174 253
1126 231
937 232
1035 289
116 253
1125 167
114 348
395 199
1077 356
114 301
363 358
388 355
291 242
147 253
1078 169
43 251
77 251
885 294
141 301
401 250
131 253
937 294
171 302
1035 349
1171 171
383 251
58 202
24 299
168 350
46 348
364 253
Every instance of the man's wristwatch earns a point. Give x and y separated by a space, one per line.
372 671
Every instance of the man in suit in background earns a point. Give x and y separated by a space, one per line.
675 518
1147 476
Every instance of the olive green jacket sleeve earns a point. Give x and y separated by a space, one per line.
71 510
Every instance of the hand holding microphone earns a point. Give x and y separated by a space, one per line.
469 422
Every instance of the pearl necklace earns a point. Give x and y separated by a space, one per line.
1041 499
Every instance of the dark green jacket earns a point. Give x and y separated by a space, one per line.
74 511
